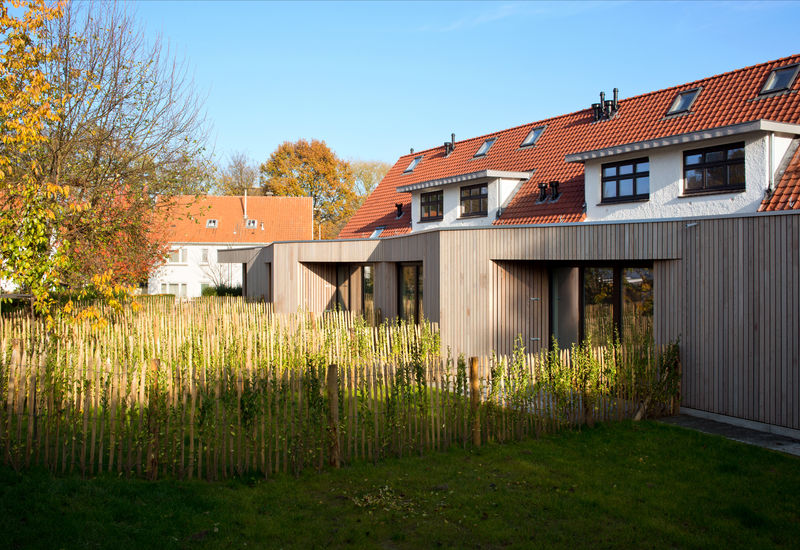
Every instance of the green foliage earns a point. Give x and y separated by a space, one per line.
222 290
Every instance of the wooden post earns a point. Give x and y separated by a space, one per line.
475 400
333 414
153 419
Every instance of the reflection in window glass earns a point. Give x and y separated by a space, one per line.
598 300
368 293
637 305
411 292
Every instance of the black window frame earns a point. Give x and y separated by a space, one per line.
695 91
524 145
425 200
490 142
763 92
634 175
418 313
727 188
483 197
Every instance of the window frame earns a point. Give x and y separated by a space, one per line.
425 200
727 188
419 290
488 143
212 223
764 92
679 95
525 145
634 175
376 233
413 164
481 197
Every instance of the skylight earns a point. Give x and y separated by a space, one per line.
377 232
211 224
252 224
532 137
683 101
780 79
413 164
485 147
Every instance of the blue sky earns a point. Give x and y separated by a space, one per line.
373 79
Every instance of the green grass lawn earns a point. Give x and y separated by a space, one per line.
624 485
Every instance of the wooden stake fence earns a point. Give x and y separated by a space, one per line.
215 389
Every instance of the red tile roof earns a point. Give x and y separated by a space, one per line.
725 99
787 192
277 219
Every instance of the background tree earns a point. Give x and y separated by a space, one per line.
311 169
239 174
130 137
367 174
31 256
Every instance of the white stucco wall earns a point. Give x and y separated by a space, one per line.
666 182
500 192
194 273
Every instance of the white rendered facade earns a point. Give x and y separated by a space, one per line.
667 198
191 267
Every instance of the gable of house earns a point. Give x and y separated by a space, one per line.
724 100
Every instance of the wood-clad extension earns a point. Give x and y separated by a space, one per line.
727 288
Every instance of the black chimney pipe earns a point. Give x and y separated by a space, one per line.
399 206
616 98
453 141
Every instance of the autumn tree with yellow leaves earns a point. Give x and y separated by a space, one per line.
32 256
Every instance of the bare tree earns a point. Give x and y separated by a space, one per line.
131 135
239 175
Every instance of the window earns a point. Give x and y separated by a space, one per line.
617 301
532 137
626 181
211 224
413 164
431 206
410 295
163 288
177 256
368 293
714 169
377 233
683 102
251 224
204 256
474 200
780 79
485 147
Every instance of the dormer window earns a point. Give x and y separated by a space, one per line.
413 164
251 224
377 233
211 224
532 137
683 102
780 79
485 147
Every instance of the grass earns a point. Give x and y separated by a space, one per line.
623 485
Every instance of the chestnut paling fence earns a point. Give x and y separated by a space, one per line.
219 387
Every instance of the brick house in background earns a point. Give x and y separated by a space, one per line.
209 224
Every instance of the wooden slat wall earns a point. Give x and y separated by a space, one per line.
318 286
521 305
729 288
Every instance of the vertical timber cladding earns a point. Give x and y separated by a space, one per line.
740 323
521 298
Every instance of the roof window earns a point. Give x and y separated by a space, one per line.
413 164
485 147
251 224
211 224
683 101
780 79
532 137
377 232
